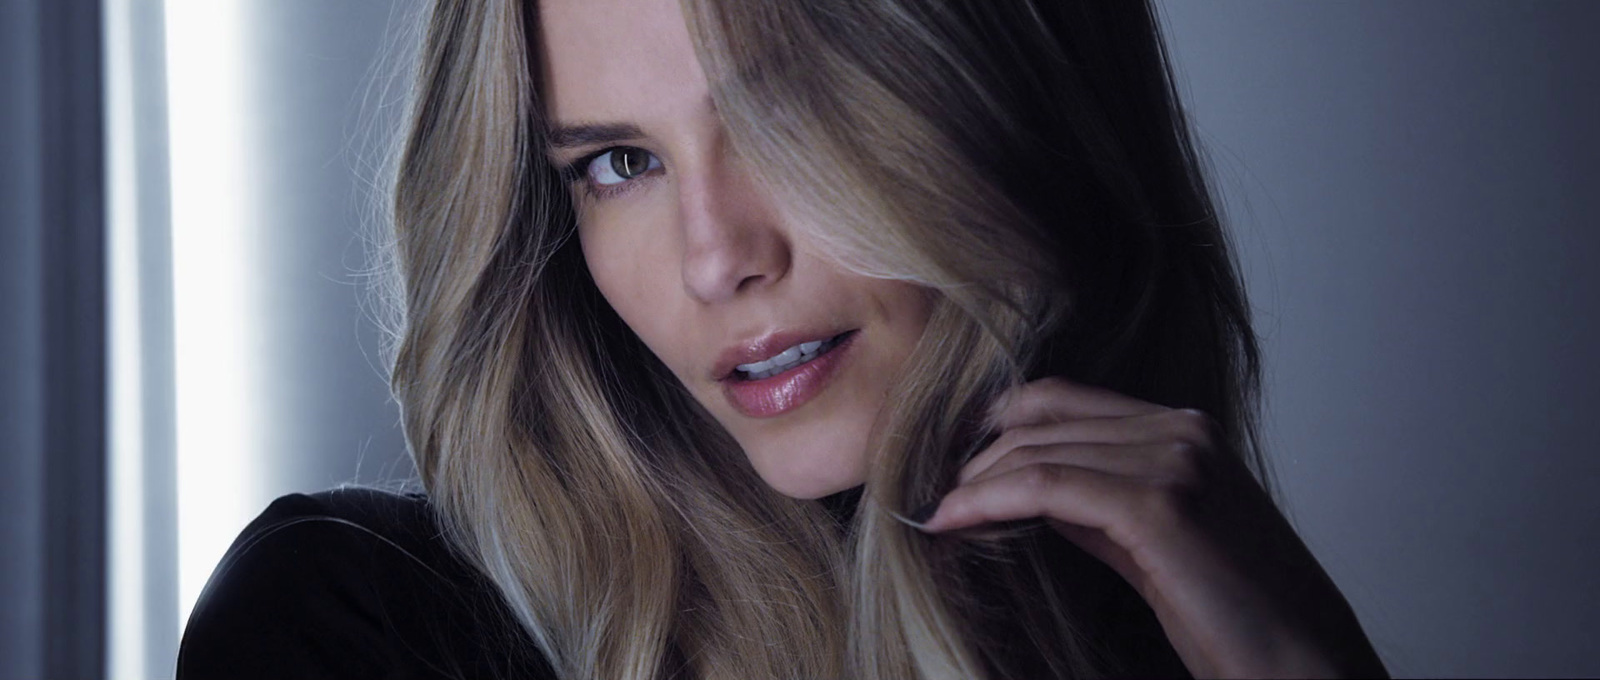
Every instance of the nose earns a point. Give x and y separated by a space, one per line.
734 243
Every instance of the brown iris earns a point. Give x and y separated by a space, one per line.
629 162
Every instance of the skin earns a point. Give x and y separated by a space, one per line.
695 257
1150 491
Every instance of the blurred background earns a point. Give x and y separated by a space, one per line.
186 325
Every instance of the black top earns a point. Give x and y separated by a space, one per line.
360 583
351 583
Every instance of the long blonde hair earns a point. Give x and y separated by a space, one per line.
1025 160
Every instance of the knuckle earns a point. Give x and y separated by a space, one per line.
1183 460
1030 454
1038 478
1197 427
1014 438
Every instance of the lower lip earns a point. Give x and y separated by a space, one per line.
789 390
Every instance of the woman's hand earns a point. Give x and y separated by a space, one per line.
1147 490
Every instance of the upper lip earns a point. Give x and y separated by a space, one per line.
763 347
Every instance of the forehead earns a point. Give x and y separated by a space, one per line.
616 60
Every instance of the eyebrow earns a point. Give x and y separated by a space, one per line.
584 134
562 137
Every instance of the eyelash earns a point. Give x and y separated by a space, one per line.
578 171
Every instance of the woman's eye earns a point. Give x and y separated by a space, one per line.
621 164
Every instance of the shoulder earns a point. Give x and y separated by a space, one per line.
352 582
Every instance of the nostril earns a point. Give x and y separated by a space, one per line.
751 281
716 269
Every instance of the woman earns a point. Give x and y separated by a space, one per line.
672 274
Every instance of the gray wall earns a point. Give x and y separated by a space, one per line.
52 354
304 369
318 90
1414 189
21 464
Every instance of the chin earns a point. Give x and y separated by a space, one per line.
810 472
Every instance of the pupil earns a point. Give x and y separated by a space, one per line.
628 162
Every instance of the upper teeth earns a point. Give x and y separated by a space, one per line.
784 360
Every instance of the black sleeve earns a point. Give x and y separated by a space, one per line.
353 583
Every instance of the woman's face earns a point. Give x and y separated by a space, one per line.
792 354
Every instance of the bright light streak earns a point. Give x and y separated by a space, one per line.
216 294
126 578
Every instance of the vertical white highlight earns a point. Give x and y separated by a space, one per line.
216 290
125 587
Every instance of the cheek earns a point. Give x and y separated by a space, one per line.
635 279
607 263
915 304
616 270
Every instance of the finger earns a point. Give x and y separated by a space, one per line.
1075 495
1141 429
1149 461
1056 399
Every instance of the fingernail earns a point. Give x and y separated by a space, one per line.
923 514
